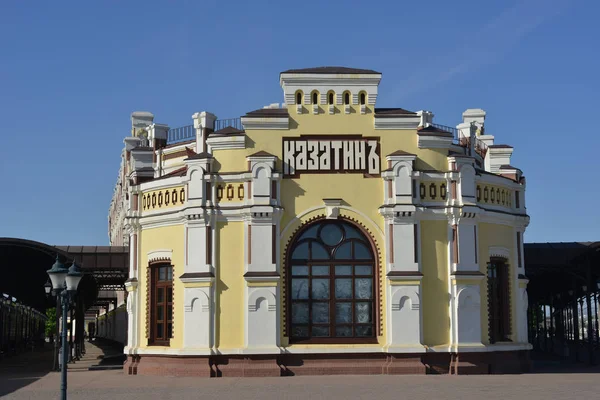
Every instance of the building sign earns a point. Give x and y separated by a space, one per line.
331 154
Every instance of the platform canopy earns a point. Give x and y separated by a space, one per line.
557 268
23 266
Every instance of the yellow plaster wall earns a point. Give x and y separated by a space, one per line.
167 237
434 251
230 285
496 235
325 124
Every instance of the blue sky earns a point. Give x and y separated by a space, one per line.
71 73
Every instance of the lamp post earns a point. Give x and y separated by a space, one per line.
64 284
48 289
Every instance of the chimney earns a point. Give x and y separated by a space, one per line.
140 121
204 123
426 118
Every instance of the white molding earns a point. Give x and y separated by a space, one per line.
405 278
434 142
160 254
210 279
178 147
397 123
227 142
162 183
496 251
270 279
265 123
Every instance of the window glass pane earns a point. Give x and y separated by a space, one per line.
352 232
343 313
331 234
159 331
300 252
320 313
320 331
343 270
299 270
169 313
299 331
320 270
169 330
343 331
169 295
299 289
319 252
169 273
343 288
363 288
300 313
361 252
343 252
364 331
160 295
310 232
363 270
162 273
320 289
160 313
362 314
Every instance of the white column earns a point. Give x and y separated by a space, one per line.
406 334
197 315
466 313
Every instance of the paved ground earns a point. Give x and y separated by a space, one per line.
26 376
93 385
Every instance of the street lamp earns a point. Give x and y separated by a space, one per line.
64 284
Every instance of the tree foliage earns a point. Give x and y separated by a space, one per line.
51 322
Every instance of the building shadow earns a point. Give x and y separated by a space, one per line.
23 369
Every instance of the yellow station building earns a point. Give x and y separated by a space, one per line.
322 236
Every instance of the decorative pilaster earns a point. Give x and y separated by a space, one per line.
465 277
261 233
199 271
403 268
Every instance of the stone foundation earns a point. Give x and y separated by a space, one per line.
505 362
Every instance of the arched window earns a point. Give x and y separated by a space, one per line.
499 300
346 98
331 285
315 98
161 303
330 99
362 99
299 98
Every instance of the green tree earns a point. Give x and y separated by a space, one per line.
50 322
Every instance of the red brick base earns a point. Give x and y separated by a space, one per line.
330 364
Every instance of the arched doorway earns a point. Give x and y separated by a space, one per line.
331 284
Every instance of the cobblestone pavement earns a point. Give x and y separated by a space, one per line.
91 385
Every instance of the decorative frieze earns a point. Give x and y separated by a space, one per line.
494 195
163 198
230 192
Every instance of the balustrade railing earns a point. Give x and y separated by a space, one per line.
229 122
184 133
181 134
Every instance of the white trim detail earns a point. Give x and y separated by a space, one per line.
226 142
501 252
397 123
265 123
406 316
434 142
196 318
160 254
